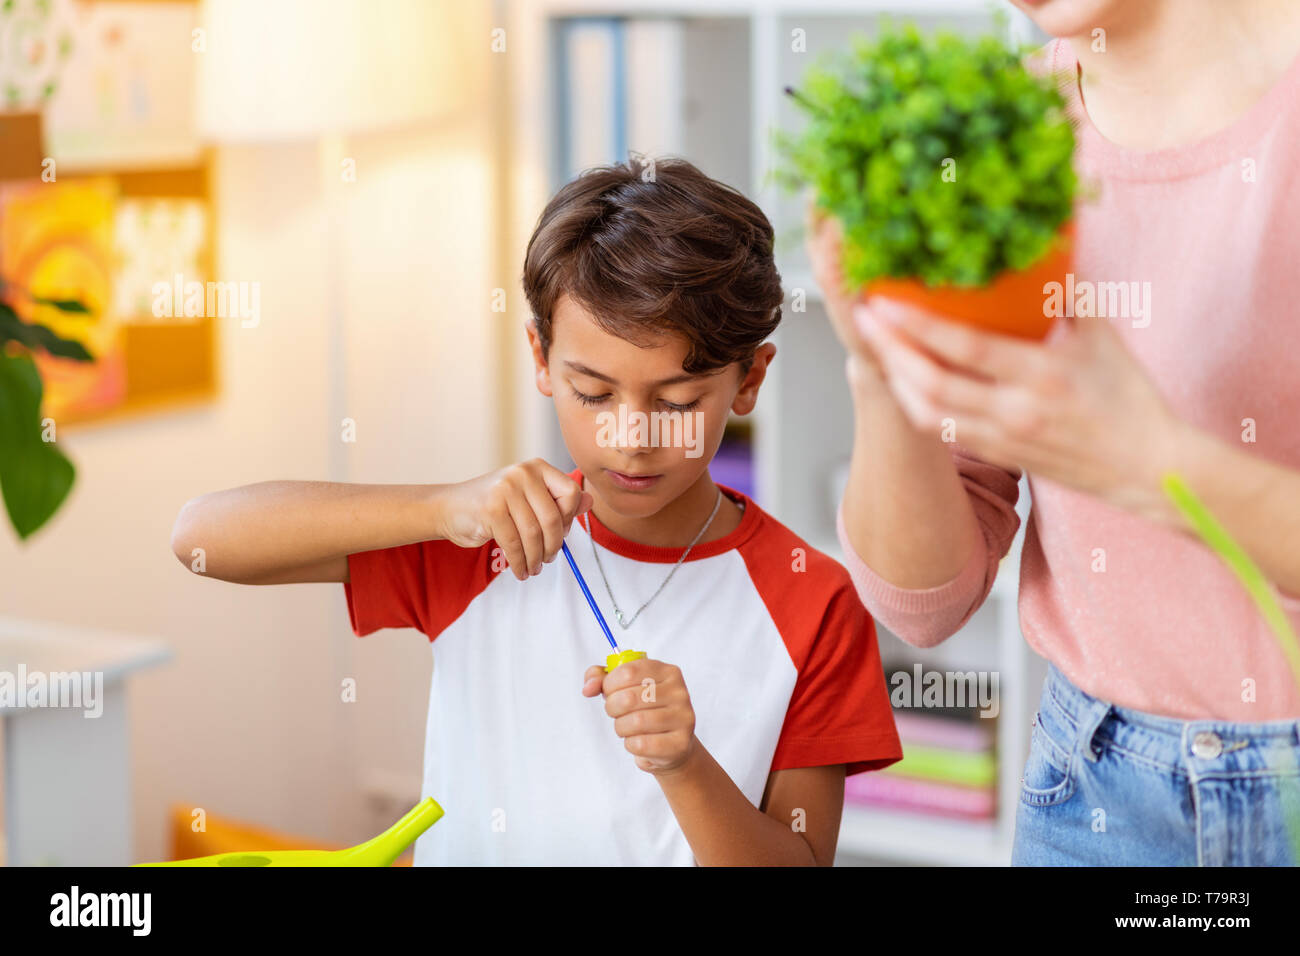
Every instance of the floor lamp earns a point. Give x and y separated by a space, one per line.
297 71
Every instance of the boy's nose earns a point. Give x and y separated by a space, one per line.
639 438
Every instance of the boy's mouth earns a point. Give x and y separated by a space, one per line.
632 482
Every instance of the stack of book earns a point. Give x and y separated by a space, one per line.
949 766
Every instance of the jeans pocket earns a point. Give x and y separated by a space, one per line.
1048 778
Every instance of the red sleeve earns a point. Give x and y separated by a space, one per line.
426 585
839 711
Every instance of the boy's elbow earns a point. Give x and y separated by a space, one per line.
183 533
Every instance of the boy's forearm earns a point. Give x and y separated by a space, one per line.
257 531
719 822
906 511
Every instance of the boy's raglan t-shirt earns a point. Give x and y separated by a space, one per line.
776 649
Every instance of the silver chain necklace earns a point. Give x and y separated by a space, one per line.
613 600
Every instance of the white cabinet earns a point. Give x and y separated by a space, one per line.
66 772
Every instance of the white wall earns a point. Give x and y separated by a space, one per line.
247 721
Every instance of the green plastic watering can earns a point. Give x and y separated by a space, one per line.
381 851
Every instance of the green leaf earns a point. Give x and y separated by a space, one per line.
35 336
63 305
884 120
35 477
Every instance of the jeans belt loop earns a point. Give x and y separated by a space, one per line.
1089 722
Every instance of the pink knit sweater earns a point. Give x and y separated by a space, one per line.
1133 613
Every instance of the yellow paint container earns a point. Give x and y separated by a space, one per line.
622 657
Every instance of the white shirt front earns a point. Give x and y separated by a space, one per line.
530 772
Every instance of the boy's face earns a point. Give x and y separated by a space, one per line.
605 386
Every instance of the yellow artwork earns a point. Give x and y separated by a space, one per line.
56 241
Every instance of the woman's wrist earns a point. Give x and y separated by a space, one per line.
1178 447
866 384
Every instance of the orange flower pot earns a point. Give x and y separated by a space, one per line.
1013 303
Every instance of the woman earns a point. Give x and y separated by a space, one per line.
1169 726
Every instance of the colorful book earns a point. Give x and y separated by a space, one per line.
878 789
946 766
944 732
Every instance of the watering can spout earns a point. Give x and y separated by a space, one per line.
380 851
389 845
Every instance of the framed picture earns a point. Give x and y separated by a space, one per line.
114 80
104 196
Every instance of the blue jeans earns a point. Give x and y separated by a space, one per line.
1109 786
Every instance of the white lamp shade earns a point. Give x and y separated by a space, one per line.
299 69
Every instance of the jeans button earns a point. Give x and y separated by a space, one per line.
1207 745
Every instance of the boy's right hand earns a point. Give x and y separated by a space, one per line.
526 507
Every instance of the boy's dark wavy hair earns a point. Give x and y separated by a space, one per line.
652 250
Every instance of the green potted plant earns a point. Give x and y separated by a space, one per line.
35 477
949 166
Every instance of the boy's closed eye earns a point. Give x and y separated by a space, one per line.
590 400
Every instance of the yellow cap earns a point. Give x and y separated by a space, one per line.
622 657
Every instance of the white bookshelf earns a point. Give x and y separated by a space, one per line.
721 52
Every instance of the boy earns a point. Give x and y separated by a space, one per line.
650 299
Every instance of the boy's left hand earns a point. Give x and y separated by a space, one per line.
652 711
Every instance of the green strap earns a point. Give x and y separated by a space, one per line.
1247 572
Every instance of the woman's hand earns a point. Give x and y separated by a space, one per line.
823 238
1077 410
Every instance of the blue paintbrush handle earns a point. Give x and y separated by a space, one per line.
600 618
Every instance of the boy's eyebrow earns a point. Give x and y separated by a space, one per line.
584 370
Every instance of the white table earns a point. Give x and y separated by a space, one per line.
67 774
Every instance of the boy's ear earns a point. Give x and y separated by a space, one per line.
543 370
747 397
